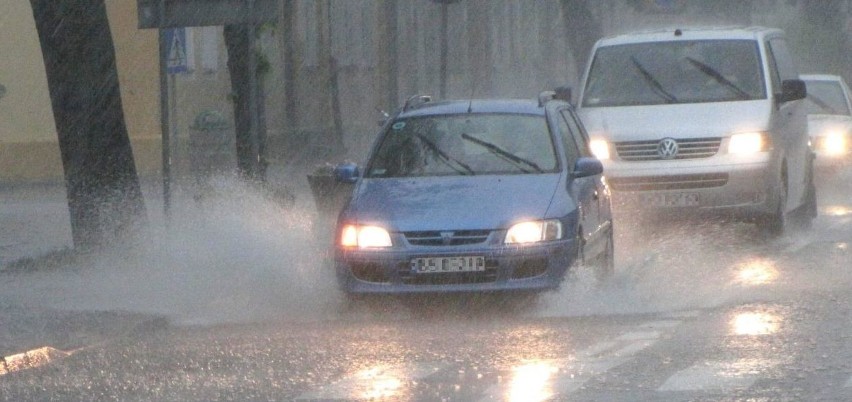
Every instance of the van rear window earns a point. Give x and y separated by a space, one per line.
674 72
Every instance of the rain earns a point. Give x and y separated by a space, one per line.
169 211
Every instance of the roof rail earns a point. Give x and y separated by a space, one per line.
415 101
545 96
564 93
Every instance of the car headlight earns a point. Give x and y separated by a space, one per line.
600 148
833 143
534 231
364 236
747 143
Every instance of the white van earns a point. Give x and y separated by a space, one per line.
702 120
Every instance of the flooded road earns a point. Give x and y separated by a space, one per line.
228 306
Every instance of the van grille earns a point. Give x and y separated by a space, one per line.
674 182
692 148
449 238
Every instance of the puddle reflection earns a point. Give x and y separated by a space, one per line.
30 359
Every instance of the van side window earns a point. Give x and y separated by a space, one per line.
781 63
572 151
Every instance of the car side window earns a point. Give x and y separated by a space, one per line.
773 71
581 137
780 63
572 151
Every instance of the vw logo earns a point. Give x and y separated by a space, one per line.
667 149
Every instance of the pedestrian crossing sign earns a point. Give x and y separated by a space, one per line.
176 60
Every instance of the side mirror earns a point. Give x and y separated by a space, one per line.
792 90
347 173
586 166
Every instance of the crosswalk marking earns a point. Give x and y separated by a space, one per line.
565 376
713 375
532 380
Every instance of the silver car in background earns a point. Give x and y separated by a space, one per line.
829 119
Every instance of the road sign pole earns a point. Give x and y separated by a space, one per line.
164 117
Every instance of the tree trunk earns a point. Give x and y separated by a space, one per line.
290 64
104 198
251 150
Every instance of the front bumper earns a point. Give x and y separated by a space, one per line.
507 268
741 190
828 160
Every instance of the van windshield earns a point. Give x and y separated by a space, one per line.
673 72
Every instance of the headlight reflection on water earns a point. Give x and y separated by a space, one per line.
755 323
380 383
756 272
532 382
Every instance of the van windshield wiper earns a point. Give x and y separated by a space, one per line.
506 155
447 159
716 75
656 87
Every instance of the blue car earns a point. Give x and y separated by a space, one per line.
474 196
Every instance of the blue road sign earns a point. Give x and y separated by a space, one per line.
176 61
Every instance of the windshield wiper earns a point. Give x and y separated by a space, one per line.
656 87
447 159
716 75
506 155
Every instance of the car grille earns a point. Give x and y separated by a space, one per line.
449 238
693 148
674 182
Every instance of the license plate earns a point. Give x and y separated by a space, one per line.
671 200
447 264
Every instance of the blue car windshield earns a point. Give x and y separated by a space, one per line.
674 72
465 144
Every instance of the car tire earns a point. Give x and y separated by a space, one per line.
605 264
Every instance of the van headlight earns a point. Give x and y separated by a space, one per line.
748 143
534 231
600 148
364 236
